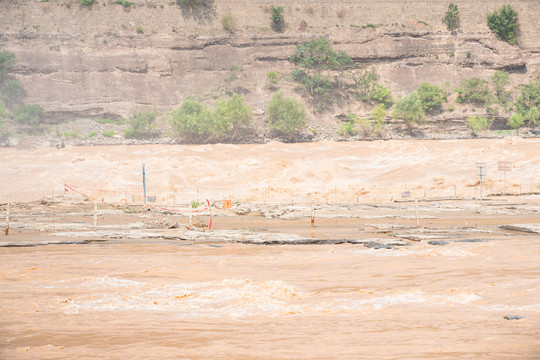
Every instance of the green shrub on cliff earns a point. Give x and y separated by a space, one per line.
3 114
318 54
378 114
348 129
410 110
193 119
533 116
29 114
474 91
188 3
382 95
3 110
124 3
318 85
278 20
4 134
7 60
515 121
478 123
228 21
431 96
87 2
286 115
233 114
142 125
451 19
500 80
196 122
529 97
11 90
504 23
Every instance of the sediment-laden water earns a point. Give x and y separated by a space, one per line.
444 163
234 301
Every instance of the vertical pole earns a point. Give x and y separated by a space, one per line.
190 215
144 183
53 218
335 200
312 209
7 219
95 215
480 192
417 217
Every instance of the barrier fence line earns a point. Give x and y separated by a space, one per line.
325 194
301 208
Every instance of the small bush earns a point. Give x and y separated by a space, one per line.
11 91
500 80
29 114
228 21
272 76
4 134
431 96
124 3
318 54
382 95
474 91
317 84
142 125
108 133
91 134
478 124
529 97
515 121
232 115
278 20
451 19
139 29
3 110
364 84
366 127
532 116
87 2
410 110
378 114
348 129
286 115
504 23
188 3
7 60
118 121
194 120
71 134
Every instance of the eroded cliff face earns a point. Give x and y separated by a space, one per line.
106 60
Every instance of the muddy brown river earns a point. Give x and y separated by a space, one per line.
157 299
233 301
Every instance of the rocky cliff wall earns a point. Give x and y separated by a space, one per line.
106 59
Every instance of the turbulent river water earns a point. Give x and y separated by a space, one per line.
273 164
153 299
233 301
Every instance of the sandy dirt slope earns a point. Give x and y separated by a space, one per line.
272 164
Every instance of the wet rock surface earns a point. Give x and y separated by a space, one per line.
528 228
439 243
